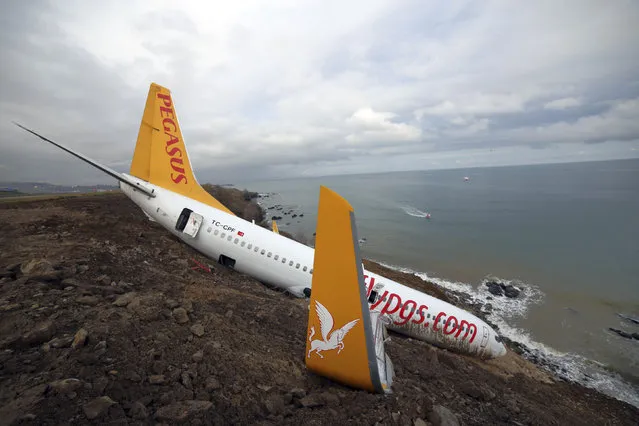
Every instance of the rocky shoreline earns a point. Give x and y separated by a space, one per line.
105 318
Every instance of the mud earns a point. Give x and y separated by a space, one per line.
104 321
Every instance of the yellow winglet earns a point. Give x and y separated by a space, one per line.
160 155
341 343
277 231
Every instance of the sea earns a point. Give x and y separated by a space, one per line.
567 235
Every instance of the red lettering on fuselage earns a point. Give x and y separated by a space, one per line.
175 153
408 311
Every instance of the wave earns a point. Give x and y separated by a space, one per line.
566 366
412 211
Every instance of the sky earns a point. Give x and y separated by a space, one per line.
279 89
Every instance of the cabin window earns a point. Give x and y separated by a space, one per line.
290 263
216 232
243 243
250 246
262 252
223 235
209 230
311 271
297 266
269 254
230 237
256 249
236 240
304 269
283 260
277 256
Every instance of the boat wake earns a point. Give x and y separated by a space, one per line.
501 311
412 211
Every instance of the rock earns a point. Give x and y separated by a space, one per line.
635 336
181 393
157 379
171 303
138 411
442 416
494 288
274 404
298 393
180 315
186 380
198 356
228 313
14 267
37 267
330 398
80 338
135 377
621 333
183 410
97 407
478 392
66 386
125 299
102 345
88 300
212 384
312 400
41 333
197 329
104 279
419 422
100 384
188 305
511 291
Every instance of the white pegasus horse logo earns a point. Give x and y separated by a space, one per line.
332 339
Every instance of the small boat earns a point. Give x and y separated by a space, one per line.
427 215
466 178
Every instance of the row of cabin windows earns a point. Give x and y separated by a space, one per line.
256 249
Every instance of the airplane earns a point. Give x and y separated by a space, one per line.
162 183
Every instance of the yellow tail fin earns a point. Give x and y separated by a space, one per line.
160 155
275 229
341 342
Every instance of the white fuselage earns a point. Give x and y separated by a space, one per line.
287 264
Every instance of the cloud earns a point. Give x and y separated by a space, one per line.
563 103
282 88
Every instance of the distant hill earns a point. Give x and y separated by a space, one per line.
20 188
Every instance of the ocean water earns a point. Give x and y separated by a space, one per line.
566 234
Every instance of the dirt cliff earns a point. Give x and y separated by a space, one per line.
104 320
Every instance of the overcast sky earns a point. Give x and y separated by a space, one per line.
305 88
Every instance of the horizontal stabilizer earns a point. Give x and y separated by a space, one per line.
119 176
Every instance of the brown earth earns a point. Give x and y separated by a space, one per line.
103 320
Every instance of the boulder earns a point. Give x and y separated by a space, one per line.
183 410
97 407
442 416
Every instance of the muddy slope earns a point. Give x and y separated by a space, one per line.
103 320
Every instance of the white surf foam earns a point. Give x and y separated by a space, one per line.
412 211
566 366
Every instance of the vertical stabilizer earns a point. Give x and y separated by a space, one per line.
342 339
160 155
275 229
